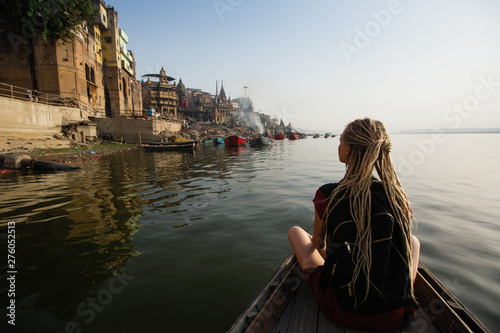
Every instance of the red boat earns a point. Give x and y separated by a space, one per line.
234 140
293 136
279 137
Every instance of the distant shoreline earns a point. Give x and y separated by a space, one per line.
429 131
452 131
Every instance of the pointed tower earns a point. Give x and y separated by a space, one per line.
182 94
222 94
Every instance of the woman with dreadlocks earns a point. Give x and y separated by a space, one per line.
362 259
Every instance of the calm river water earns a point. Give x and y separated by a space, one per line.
183 241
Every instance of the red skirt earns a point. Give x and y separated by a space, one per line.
331 308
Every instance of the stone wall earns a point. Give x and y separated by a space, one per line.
128 130
27 116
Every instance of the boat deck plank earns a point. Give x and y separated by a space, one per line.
303 314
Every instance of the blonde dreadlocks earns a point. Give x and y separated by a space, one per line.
369 150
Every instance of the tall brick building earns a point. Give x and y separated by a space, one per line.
94 69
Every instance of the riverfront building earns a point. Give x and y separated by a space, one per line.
159 94
199 106
121 87
94 70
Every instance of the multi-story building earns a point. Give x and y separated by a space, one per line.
223 107
159 94
119 70
87 70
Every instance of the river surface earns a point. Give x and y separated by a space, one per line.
182 241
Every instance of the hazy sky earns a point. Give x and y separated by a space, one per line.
321 63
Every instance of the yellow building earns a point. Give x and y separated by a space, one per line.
223 107
159 94
94 69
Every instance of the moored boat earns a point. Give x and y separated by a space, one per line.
293 136
315 136
234 140
261 141
218 141
164 146
178 139
286 304
279 137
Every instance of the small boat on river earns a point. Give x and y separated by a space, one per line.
261 141
178 139
218 141
293 136
279 137
234 140
164 146
287 304
315 136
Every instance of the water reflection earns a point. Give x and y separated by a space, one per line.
73 232
180 184
76 230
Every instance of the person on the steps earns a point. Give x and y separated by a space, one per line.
362 259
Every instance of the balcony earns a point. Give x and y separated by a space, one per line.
123 35
101 17
127 68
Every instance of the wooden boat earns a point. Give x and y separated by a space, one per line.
286 304
169 146
178 139
279 137
218 141
234 140
293 136
261 141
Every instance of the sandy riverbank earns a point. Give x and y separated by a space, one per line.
48 148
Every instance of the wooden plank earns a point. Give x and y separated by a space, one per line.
326 326
282 324
305 311
422 323
440 311
354 330
277 302
460 315
257 306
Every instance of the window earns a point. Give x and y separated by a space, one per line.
87 72
108 40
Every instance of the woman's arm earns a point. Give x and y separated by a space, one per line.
319 237
415 255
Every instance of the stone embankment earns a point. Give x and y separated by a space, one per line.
59 148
